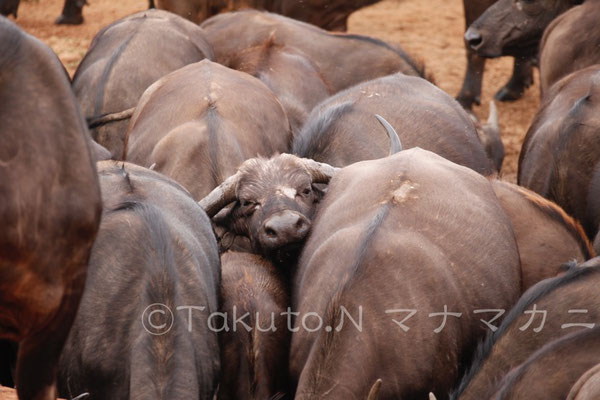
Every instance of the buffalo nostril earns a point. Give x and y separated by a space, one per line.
474 38
301 223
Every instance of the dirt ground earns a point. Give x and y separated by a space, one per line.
430 30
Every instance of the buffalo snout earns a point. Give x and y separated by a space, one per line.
283 228
474 38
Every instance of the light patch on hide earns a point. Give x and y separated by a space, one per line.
214 91
286 191
406 191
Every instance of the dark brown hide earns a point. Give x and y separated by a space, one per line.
340 57
124 59
515 340
547 237
343 129
393 234
331 15
155 246
199 123
562 147
554 369
254 356
50 207
290 74
570 43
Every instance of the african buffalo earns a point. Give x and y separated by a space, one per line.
470 92
331 15
124 59
546 236
587 386
514 27
272 204
155 253
50 208
547 311
199 123
341 130
561 150
290 74
399 238
339 57
541 376
570 43
254 351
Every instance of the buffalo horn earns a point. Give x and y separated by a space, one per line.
374 392
395 144
432 396
493 124
220 196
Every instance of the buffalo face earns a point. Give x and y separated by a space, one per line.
273 200
513 27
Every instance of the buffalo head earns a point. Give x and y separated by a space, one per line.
514 27
272 201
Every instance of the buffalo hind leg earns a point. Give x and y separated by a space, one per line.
471 88
72 13
8 359
38 354
520 80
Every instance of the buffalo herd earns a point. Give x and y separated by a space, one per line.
236 199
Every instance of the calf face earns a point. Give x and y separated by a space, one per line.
275 201
513 27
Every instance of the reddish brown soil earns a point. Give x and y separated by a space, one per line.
8 394
430 30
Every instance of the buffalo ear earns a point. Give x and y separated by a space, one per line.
228 233
224 218
320 190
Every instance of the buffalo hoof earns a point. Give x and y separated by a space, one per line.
72 20
509 94
467 101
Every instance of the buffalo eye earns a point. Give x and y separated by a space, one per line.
248 205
